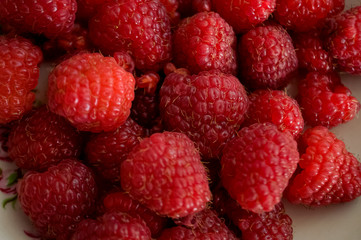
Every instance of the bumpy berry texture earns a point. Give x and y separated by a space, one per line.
141 27
113 225
311 54
275 224
205 226
122 202
244 15
325 101
56 200
51 18
257 165
276 107
345 41
205 42
303 15
267 57
93 92
329 173
208 108
42 139
19 73
165 174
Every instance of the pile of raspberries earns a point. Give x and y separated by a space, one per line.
169 119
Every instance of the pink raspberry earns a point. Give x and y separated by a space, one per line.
205 42
257 165
208 108
165 173
267 57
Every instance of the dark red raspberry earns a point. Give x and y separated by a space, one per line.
275 224
49 17
205 226
304 15
93 92
57 199
257 165
208 108
311 54
276 107
113 225
165 174
267 57
105 151
205 42
244 15
345 41
87 9
122 202
141 27
125 61
329 173
145 108
172 10
42 139
325 101
19 73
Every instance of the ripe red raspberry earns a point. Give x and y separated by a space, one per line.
165 174
140 27
113 225
145 108
325 101
311 54
49 17
244 15
344 42
276 107
257 165
267 57
208 108
205 226
205 42
42 139
329 173
275 224
105 151
93 92
122 202
304 15
56 200
19 73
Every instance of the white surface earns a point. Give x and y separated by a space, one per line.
336 222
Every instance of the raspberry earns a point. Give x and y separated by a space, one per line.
267 57
140 27
19 73
93 92
114 225
205 42
244 15
125 61
345 40
275 224
165 174
276 107
49 17
329 173
303 15
57 199
171 7
42 139
208 108
206 226
325 100
257 165
311 54
107 150
122 202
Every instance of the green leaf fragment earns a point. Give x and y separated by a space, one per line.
11 200
12 179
